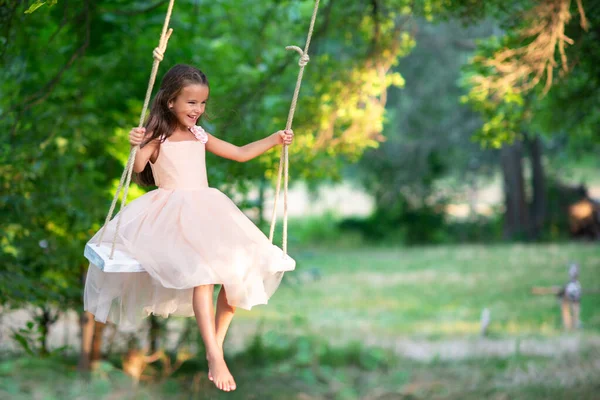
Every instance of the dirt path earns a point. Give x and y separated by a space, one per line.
66 332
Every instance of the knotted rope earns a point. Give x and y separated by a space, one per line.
284 159
125 180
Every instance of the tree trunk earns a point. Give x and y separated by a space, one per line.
154 333
45 321
538 182
516 216
86 323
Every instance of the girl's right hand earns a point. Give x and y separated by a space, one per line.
136 136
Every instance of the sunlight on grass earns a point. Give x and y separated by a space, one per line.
448 327
434 291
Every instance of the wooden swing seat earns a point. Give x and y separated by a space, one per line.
99 255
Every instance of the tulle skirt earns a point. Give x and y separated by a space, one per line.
183 239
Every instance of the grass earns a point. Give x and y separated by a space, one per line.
333 330
431 292
319 372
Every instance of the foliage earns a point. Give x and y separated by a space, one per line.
53 162
74 79
503 120
428 138
400 224
38 3
518 85
420 226
33 338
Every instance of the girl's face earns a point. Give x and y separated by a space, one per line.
189 105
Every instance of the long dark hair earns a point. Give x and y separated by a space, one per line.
162 122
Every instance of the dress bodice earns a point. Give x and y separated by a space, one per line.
180 165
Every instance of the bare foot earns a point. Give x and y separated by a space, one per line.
220 344
219 373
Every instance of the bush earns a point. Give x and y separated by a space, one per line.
318 230
422 226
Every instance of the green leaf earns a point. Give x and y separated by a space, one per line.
35 6
40 3
23 342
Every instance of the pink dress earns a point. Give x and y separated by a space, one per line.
184 234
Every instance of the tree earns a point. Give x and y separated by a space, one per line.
524 92
74 78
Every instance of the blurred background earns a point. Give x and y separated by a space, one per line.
444 194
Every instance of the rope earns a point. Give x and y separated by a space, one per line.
158 55
284 159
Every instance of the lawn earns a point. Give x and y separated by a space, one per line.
320 373
381 324
430 292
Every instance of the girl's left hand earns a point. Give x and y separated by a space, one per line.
286 136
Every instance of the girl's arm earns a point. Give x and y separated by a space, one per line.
248 152
143 155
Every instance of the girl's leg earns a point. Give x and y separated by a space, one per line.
204 312
224 316
222 319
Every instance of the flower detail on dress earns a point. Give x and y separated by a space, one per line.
199 133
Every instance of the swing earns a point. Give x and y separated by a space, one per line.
109 259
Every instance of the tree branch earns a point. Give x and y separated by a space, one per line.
521 69
63 22
377 24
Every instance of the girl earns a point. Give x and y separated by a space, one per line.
186 235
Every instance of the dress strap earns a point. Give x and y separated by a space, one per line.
199 133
